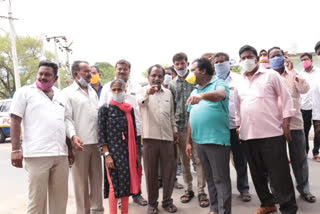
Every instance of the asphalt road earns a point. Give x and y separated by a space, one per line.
13 192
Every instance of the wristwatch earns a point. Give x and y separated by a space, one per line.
106 154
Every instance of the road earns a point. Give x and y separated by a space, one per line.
13 192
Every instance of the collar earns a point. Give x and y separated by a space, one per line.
180 79
100 85
53 88
312 70
260 70
76 87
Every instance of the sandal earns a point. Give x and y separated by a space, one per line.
170 207
152 210
188 195
245 196
309 198
140 200
203 200
316 158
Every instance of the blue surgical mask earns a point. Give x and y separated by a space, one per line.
277 62
222 69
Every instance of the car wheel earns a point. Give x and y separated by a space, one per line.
2 136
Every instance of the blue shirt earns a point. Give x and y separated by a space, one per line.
209 121
99 90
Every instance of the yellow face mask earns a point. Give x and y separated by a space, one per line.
95 79
191 78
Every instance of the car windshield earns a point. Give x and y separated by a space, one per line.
5 105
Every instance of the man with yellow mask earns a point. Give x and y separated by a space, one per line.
95 80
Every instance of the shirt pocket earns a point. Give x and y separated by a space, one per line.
59 111
165 107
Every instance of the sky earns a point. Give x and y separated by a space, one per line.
148 32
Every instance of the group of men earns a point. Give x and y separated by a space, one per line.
203 113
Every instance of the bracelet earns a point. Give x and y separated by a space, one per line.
14 151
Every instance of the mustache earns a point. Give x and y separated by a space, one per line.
88 77
42 80
156 82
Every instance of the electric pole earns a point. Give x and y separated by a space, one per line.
13 46
62 48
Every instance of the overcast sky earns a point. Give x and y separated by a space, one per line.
146 32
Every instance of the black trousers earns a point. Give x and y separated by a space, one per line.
269 154
307 119
240 162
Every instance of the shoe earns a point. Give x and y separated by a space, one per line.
177 185
265 210
309 198
140 200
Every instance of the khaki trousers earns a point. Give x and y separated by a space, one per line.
47 176
87 180
185 164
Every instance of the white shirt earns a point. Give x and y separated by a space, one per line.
130 98
232 81
310 77
42 121
81 113
316 101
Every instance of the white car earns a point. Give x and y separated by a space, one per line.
4 119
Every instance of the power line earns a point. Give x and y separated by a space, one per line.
66 48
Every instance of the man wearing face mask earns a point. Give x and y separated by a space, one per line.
222 68
263 59
311 74
264 129
82 129
296 86
167 77
95 80
40 109
181 90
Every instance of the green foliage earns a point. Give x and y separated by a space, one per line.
107 71
145 73
236 69
29 51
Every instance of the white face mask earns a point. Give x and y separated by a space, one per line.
83 82
181 73
119 98
248 65
167 79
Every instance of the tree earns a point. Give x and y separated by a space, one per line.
29 51
107 71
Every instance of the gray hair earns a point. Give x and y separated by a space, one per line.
120 81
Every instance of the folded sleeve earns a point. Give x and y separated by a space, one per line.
19 102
